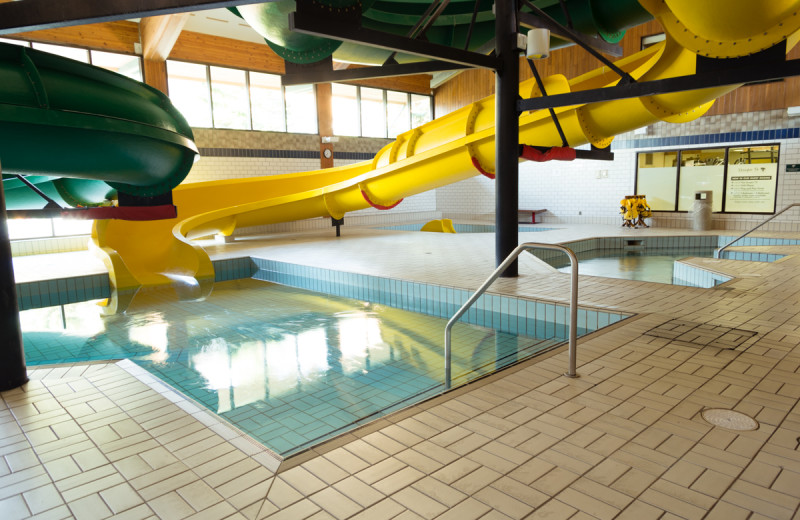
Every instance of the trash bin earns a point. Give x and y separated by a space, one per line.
701 210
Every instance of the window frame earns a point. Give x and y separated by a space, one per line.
724 189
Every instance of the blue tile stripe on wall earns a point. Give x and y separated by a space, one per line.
725 137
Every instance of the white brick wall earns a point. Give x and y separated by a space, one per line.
581 191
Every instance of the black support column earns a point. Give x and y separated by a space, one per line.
506 133
12 357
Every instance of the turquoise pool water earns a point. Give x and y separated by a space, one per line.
287 366
653 265
653 258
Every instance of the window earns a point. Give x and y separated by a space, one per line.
346 118
67 52
701 170
21 43
20 229
658 179
266 102
124 64
229 95
189 92
301 109
398 112
741 179
373 113
421 109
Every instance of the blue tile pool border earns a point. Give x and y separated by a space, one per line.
62 291
686 273
532 318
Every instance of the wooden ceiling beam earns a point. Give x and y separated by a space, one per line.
159 34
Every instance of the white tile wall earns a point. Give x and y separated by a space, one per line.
43 246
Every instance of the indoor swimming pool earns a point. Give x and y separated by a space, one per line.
287 366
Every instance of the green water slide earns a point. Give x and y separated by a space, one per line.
607 19
81 133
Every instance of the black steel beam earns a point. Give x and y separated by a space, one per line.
309 24
32 15
12 355
384 71
506 135
593 42
717 78
595 154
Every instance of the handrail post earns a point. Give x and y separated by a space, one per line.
573 306
718 252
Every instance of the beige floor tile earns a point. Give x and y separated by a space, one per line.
336 503
419 503
14 507
90 507
121 498
171 507
42 499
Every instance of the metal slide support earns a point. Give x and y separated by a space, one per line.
718 252
12 356
506 133
573 306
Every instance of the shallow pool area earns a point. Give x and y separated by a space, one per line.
287 366
654 265
657 258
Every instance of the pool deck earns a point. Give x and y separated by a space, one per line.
624 440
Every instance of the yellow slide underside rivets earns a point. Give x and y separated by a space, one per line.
727 28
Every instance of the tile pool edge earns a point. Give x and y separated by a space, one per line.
507 314
688 275
242 440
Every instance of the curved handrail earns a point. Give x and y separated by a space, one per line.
718 252
573 305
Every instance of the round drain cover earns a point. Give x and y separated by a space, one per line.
730 419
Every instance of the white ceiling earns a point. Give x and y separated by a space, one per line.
221 22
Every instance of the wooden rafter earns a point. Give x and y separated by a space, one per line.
159 34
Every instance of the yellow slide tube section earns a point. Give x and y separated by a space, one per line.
447 150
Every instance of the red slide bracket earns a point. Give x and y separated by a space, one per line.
378 206
538 154
477 164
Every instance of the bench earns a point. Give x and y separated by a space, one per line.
528 216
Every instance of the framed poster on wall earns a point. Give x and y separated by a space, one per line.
752 180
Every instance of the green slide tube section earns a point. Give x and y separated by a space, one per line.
88 129
606 18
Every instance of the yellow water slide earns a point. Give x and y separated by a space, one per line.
447 150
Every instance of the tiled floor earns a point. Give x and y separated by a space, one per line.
625 439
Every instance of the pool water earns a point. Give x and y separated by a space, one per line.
287 366
653 265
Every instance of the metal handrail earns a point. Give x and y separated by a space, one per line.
573 305
718 252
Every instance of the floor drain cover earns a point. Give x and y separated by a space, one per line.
729 419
